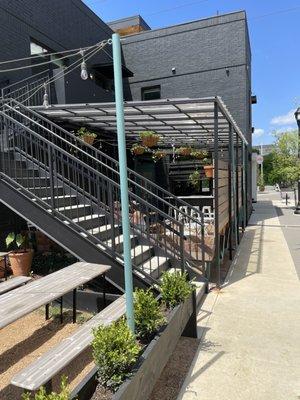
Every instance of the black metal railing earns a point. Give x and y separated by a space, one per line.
29 91
74 178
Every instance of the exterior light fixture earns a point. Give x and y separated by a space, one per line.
173 70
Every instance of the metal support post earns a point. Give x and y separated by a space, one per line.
117 60
216 197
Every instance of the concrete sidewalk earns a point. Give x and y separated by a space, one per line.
250 331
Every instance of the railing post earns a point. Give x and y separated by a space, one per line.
112 212
51 176
182 260
117 61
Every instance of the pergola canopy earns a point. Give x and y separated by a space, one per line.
177 121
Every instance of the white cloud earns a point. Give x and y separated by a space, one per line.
258 132
285 119
284 129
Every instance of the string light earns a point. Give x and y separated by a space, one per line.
84 72
46 97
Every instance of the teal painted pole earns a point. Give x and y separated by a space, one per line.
116 45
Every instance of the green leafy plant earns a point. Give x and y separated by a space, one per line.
137 149
175 288
148 315
17 241
83 132
149 138
199 154
115 350
42 395
158 155
194 180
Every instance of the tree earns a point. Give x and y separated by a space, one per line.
284 160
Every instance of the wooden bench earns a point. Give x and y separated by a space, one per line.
22 301
13 283
41 371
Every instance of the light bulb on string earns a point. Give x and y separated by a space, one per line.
84 72
45 98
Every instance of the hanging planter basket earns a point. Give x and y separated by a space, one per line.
158 155
149 138
184 151
88 139
199 154
209 171
137 149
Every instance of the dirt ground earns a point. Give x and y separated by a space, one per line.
169 384
28 338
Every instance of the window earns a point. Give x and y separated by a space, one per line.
38 49
151 93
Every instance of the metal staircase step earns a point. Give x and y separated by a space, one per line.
104 232
119 242
156 265
141 254
34 182
45 191
77 210
61 201
90 221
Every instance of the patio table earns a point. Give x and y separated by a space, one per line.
22 301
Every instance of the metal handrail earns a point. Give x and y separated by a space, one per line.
96 152
53 161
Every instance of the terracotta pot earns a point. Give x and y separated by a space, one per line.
209 171
88 139
150 141
21 262
2 266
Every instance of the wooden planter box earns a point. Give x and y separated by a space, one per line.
181 321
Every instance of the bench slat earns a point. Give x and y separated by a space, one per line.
13 283
22 301
51 363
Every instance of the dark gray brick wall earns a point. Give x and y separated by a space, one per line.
200 51
60 25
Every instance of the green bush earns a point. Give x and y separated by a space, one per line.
41 394
115 350
175 288
148 315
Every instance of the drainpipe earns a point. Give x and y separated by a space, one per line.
117 60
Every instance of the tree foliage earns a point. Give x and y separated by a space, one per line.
282 165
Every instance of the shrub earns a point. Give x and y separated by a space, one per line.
175 288
42 395
147 314
115 350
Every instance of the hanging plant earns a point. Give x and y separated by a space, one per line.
184 151
158 155
199 154
86 135
149 138
138 149
194 180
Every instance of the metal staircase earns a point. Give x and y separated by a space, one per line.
71 192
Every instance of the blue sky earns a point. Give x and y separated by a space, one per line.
274 34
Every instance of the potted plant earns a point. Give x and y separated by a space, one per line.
194 180
209 171
158 155
199 154
86 135
184 151
21 258
149 138
137 149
